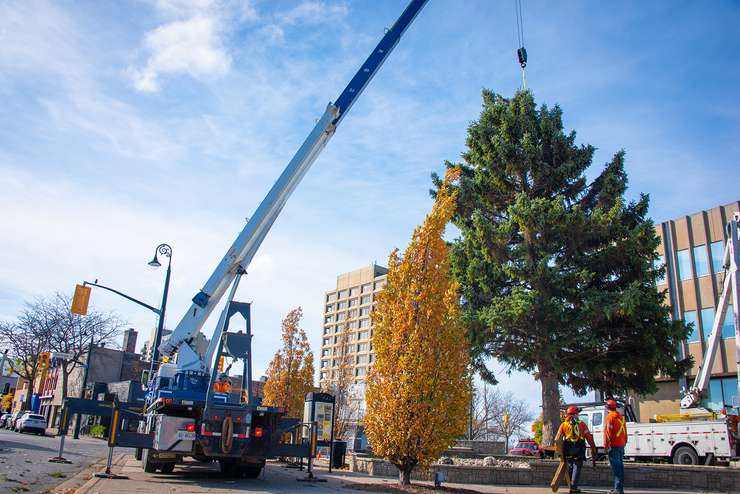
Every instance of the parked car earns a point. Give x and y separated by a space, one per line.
31 422
10 423
4 418
526 447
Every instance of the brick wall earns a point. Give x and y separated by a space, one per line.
722 479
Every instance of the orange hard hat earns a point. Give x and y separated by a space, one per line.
572 410
611 404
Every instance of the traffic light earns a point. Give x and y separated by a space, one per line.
80 300
44 360
506 421
221 362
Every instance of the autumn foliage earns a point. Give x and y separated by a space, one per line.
418 391
290 375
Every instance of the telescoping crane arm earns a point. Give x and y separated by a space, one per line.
245 246
731 288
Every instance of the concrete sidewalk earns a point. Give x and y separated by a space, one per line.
193 477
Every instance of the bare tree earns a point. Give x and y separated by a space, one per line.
25 341
499 415
70 333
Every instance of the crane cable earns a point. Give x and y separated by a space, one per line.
521 52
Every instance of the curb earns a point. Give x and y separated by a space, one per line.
80 483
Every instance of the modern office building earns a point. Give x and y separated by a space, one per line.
347 323
692 248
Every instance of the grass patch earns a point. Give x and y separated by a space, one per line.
58 475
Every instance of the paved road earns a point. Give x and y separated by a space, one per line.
198 478
24 465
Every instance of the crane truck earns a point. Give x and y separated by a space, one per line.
184 416
684 438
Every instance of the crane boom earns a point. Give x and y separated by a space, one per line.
731 288
242 251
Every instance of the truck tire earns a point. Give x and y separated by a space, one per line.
167 468
146 463
251 471
685 455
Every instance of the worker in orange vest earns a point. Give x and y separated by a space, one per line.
615 438
575 433
222 384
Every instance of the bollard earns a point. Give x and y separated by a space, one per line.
62 433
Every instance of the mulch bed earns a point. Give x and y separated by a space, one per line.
406 489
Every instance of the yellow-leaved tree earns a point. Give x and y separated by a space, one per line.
290 375
418 391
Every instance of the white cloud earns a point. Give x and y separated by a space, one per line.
191 46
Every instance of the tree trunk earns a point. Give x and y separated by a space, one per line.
65 381
27 403
404 474
550 405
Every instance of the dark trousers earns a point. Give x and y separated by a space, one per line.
574 454
616 460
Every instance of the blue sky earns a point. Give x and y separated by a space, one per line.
124 125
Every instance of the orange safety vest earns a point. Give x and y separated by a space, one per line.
615 430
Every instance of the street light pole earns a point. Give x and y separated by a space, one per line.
165 250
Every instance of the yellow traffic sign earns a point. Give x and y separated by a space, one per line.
80 300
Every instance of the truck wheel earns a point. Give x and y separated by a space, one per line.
146 463
167 468
251 472
685 455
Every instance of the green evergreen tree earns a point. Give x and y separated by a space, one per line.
557 275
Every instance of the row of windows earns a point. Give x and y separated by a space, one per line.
343 316
701 261
359 359
364 323
361 347
707 319
355 291
360 335
333 375
353 302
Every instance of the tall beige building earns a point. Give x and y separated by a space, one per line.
347 315
691 247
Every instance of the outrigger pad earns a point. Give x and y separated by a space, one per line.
236 345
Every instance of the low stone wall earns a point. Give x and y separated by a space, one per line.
718 479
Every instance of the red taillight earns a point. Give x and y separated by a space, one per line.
258 432
190 427
166 400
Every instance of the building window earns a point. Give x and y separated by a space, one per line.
328 319
341 305
339 328
353 302
352 313
353 325
684 264
330 308
331 297
362 347
362 359
728 326
324 364
359 371
370 358
326 341
368 287
364 323
689 317
722 391
323 375
342 294
366 299
701 262
659 263
354 291
325 352
341 316
327 330
707 319
718 253
379 285
362 335
364 311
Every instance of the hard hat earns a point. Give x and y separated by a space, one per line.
611 404
572 410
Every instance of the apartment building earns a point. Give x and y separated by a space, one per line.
692 248
347 324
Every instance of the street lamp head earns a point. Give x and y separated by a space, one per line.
163 249
155 262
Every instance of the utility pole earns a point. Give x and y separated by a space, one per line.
84 385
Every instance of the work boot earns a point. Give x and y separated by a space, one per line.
574 490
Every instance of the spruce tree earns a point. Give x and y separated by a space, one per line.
557 274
